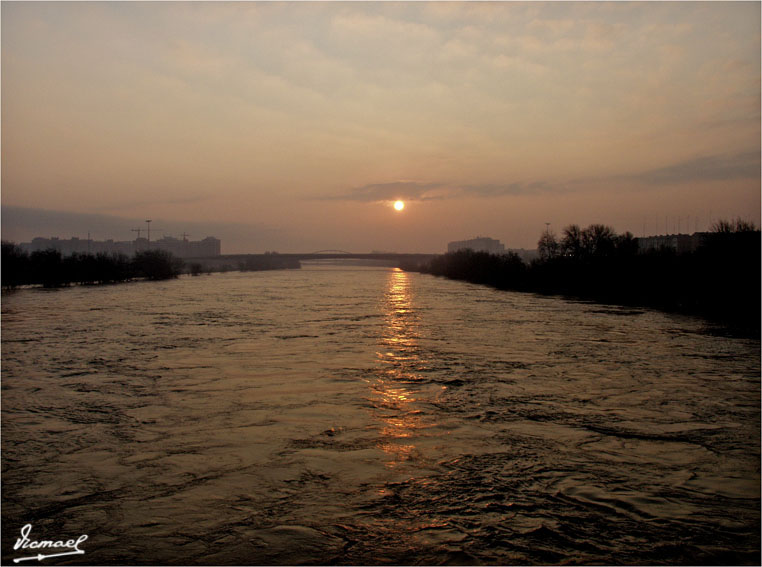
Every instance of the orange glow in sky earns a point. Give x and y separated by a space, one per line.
292 126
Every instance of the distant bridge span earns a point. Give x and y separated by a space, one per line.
390 258
325 254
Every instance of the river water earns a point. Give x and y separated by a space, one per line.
373 416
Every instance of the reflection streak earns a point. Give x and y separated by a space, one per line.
395 389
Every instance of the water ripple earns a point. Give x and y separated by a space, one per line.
373 416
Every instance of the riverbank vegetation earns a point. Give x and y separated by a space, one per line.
719 280
50 269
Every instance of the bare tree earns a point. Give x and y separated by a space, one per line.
737 225
571 244
548 246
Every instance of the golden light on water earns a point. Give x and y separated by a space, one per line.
399 205
396 394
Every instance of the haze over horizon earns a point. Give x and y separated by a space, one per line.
294 126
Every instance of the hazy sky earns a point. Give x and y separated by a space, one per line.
303 121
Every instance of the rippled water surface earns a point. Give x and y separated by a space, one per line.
373 416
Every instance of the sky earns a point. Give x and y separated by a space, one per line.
295 126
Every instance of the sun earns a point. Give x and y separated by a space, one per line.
399 205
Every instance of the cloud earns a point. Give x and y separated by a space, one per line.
505 62
379 27
555 27
405 190
501 190
414 191
723 167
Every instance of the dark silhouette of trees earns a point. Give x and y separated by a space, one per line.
626 244
502 272
50 269
548 246
728 227
727 269
156 265
720 280
15 266
595 241
571 244
599 240
100 268
112 268
47 268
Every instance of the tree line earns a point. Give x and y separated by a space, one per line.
49 268
719 280
595 241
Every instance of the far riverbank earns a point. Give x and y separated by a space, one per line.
719 281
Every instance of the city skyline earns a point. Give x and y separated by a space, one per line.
295 126
25 225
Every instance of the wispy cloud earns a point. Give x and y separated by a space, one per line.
500 190
415 191
405 190
723 167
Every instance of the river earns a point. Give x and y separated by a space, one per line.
357 416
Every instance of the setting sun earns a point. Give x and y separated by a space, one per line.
399 205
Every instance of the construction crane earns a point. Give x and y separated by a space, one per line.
138 230
148 224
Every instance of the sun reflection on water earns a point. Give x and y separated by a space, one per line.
396 389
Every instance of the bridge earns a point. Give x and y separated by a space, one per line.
234 261
326 254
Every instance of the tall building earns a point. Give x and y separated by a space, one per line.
478 244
